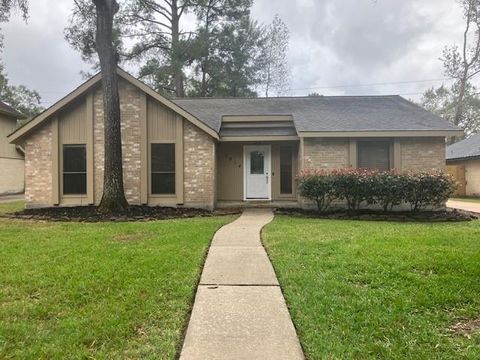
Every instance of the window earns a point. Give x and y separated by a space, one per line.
163 169
74 170
257 162
286 170
374 155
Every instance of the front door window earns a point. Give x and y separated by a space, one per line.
257 162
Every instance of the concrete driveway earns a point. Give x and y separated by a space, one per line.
464 205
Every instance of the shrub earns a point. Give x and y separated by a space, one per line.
354 186
424 189
316 185
386 188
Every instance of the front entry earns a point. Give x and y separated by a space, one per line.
257 175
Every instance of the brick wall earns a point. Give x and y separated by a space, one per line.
130 98
326 153
199 165
422 153
38 167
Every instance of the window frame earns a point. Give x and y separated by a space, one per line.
388 142
63 172
292 165
151 172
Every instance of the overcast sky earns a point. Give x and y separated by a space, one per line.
336 46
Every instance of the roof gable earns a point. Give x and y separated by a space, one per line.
89 84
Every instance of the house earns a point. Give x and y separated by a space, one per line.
11 156
219 152
463 160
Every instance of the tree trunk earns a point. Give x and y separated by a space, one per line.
207 51
461 96
176 60
113 199
459 108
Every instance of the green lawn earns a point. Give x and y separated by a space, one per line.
104 290
377 289
467 199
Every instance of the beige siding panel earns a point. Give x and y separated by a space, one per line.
72 124
12 176
72 129
90 139
7 125
457 171
230 172
55 162
164 126
472 177
143 150
162 122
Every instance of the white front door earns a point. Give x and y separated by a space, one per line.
257 172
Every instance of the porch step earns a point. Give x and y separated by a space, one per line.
258 204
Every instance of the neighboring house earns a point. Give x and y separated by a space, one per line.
463 160
219 152
11 156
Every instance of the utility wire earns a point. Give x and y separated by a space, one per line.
375 84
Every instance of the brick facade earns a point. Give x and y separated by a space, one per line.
38 167
415 153
326 153
199 156
130 98
199 164
423 153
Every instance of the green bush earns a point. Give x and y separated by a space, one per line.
424 189
317 186
354 186
389 189
384 188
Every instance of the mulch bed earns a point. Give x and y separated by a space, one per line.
134 213
449 215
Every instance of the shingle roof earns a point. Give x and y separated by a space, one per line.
7 109
323 113
467 148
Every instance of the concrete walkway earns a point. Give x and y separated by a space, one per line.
239 310
464 205
11 198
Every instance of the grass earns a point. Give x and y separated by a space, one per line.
359 289
103 290
467 199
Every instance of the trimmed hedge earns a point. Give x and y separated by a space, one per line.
384 188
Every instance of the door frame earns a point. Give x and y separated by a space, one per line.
268 163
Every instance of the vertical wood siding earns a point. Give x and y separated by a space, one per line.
162 122
164 126
7 150
72 124
72 129
231 168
